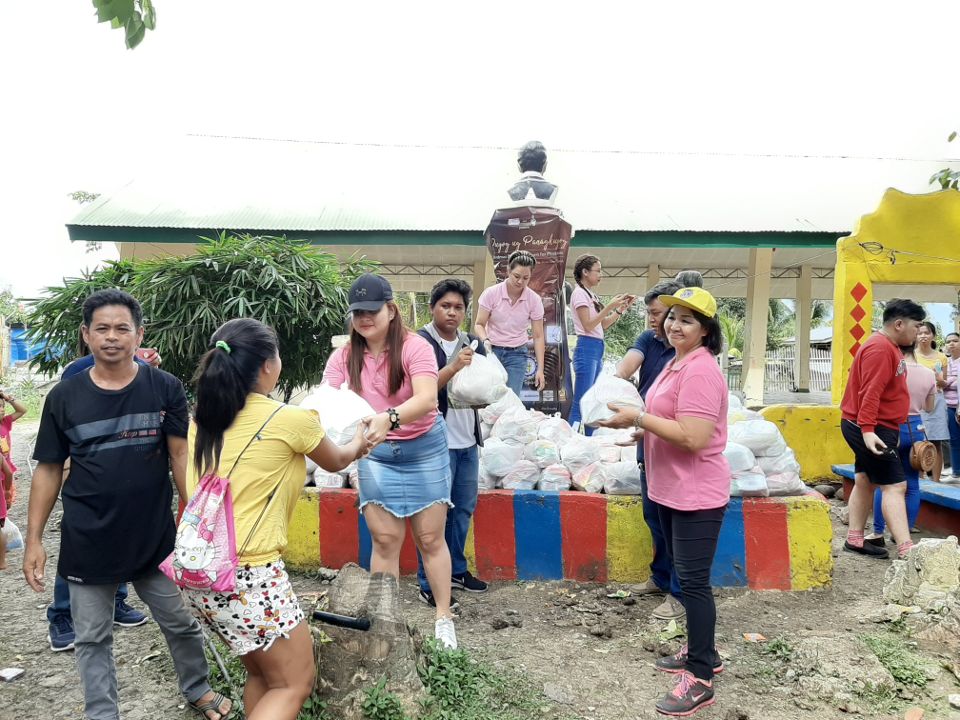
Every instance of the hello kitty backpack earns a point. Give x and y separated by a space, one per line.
204 553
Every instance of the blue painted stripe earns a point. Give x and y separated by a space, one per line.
730 562
536 521
844 470
366 542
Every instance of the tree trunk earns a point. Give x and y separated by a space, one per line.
353 661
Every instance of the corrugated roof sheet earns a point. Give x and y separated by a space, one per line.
237 183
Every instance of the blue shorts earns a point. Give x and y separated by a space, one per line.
407 476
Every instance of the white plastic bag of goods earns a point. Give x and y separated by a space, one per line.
324 479
340 410
751 483
741 415
621 478
524 476
788 483
517 426
607 439
785 462
482 382
628 453
589 478
486 480
554 478
740 457
500 457
485 431
776 450
491 413
555 428
542 453
12 536
608 389
578 452
733 403
757 435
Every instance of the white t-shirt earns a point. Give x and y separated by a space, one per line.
460 421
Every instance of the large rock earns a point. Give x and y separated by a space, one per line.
835 669
929 579
349 661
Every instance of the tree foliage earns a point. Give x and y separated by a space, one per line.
299 290
134 16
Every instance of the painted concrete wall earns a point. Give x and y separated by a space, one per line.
813 431
765 543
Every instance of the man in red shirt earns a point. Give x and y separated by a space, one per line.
875 404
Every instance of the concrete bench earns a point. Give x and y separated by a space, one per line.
939 503
765 543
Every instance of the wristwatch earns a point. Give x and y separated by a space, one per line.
638 423
394 417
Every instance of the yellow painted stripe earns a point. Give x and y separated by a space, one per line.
629 544
303 535
810 535
470 551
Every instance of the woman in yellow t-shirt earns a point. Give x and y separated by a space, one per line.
236 425
934 423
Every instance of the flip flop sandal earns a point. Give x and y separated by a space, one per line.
212 705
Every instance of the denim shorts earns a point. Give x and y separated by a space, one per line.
407 476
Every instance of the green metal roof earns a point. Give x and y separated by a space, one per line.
337 193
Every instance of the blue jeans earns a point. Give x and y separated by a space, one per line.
913 478
662 572
465 469
60 607
587 363
954 427
514 361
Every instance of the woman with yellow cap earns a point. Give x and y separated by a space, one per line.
684 432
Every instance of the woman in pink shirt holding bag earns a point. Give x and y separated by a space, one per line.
684 432
407 474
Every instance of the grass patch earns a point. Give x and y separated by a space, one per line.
906 666
779 648
381 704
26 391
880 699
467 689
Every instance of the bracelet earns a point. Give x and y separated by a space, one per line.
638 423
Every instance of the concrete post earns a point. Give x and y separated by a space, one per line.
755 332
804 312
483 278
653 276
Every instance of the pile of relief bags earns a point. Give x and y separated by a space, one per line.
527 450
761 463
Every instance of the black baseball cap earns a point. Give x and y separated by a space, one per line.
369 292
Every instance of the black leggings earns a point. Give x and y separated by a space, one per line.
691 538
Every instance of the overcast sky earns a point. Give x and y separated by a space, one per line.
81 112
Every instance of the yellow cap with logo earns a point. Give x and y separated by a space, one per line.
694 298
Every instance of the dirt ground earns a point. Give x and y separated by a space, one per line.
592 656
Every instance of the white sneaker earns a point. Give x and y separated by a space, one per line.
446 633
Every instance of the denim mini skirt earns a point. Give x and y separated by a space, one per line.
407 476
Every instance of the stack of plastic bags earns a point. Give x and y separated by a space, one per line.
526 449
761 463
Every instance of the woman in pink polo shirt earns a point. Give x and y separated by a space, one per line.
506 311
407 474
590 319
684 431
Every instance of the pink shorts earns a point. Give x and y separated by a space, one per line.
261 608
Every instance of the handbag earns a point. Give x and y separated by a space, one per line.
923 453
205 553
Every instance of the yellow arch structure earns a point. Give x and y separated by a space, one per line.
909 239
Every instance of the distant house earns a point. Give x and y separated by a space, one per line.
820 337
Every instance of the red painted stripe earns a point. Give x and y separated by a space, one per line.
339 532
408 553
767 544
493 536
583 532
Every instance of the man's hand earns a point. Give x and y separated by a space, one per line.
539 380
874 443
34 562
464 358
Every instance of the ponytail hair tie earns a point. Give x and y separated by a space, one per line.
223 346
